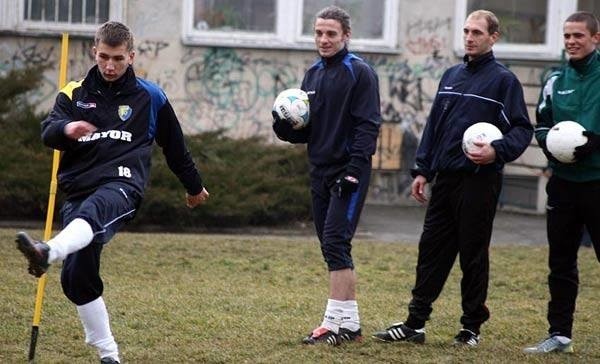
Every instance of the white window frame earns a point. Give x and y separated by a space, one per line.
551 49
12 18
288 31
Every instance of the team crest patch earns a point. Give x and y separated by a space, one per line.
125 112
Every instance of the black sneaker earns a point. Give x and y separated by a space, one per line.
349 335
467 338
36 253
108 360
401 332
322 335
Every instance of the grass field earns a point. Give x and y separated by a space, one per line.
250 299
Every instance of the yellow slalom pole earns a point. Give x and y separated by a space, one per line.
37 312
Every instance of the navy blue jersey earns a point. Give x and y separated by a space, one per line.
343 92
481 90
130 115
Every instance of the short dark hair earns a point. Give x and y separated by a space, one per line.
336 13
491 19
114 34
590 20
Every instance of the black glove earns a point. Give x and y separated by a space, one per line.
279 119
592 145
346 185
281 127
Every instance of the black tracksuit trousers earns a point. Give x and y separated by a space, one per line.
571 205
458 221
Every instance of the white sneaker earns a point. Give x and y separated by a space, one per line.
548 345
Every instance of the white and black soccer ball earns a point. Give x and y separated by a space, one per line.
479 132
563 138
292 104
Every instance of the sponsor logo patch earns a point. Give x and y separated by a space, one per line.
86 105
125 112
565 92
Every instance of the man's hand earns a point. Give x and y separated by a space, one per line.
592 145
195 200
418 189
346 185
277 120
77 129
483 154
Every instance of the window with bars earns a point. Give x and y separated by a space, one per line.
52 16
67 11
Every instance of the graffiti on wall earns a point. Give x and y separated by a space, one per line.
425 36
32 53
233 89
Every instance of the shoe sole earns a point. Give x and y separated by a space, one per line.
25 246
417 339
557 351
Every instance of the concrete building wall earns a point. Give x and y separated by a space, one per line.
233 88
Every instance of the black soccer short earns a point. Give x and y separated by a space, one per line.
106 210
336 217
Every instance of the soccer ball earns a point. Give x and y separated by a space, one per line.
479 132
563 138
292 104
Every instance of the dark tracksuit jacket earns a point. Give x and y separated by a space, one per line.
464 196
130 115
573 189
341 138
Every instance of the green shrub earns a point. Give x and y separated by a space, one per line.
250 181
25 163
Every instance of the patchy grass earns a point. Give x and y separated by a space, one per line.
250 299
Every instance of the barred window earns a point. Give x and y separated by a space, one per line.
56 16
67 11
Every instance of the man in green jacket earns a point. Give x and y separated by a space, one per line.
574 188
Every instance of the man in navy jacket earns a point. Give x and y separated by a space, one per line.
343 92
463 202
105 125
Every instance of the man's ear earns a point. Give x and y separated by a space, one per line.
131 57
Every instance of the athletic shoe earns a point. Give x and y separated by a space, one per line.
108 360
36 253
400 332
322 335
548 345
467 338
349 335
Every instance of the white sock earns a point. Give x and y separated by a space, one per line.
333 315
75 236
96 325
350 319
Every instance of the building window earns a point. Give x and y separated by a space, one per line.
51 16
367 19
235 15
285 23
593 6
529 29
67 11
